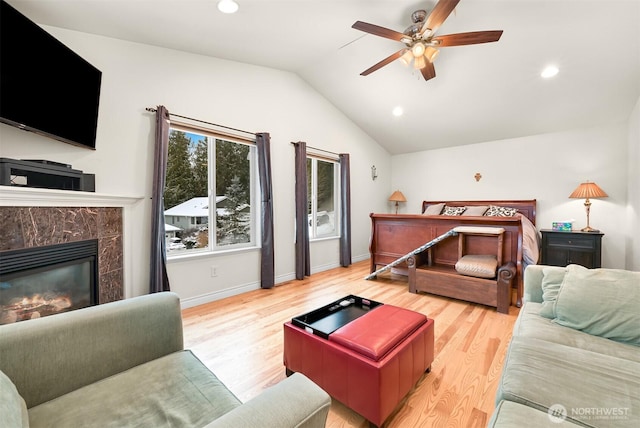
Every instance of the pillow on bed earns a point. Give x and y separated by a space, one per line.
530 241
434 209
476 210
453 210
496 211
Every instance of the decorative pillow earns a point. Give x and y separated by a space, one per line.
480 266
453 210
551 281
496 211
601 302
477 210
12 407
434 209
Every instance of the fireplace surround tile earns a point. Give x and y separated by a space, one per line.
28 227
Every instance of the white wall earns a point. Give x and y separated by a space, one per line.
632 243
137 76
545 167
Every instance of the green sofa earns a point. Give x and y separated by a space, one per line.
122 364
574 358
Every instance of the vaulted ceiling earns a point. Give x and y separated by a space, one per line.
481 93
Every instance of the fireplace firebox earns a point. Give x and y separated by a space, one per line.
42 281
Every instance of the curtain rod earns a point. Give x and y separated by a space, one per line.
153 110
320 150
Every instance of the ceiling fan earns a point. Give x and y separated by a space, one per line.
421 42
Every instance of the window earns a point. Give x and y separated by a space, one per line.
322 193
209 191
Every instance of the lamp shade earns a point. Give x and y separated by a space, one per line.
588 190
397 196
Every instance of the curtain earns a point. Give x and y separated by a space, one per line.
303 263
158 279
345 212
267 274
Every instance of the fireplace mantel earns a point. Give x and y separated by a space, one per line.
13 196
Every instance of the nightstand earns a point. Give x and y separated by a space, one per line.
575 247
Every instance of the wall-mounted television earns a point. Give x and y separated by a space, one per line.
45 87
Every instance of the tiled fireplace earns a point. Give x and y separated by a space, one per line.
24 228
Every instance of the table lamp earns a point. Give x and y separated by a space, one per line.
396 197
588 190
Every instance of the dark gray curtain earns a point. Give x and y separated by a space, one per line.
267 274
303 264
345 211
158 279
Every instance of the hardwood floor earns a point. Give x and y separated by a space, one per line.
240 340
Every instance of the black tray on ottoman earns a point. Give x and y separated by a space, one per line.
327 319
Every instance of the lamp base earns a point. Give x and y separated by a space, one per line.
589 229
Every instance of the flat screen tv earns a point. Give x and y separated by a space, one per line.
45 87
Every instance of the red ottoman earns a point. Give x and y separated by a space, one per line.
369 364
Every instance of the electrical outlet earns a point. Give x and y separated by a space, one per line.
214 271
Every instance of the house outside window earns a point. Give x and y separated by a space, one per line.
209 192
323 200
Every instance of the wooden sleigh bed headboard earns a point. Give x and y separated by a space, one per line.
394 235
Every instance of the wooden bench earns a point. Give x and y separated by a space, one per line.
444 279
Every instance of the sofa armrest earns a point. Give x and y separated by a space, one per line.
533 283
533 276
294 402
51 356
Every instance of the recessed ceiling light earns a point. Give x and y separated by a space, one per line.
227 6
549 71
397 111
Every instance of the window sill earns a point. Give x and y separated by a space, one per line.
209 254
324 238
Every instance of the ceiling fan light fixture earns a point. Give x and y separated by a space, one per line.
418 50
228 6
407 57
419 62
431 54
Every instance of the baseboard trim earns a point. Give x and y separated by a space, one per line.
243 288
217 295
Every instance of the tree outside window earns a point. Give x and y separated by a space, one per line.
197 163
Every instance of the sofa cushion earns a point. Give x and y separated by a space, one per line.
589 385
509 414
531 325
551 282
602 302
13 410
175 390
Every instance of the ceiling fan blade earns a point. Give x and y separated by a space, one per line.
471 38
384 62
440 12
378 31
428 71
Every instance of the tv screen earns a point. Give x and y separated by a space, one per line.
45 87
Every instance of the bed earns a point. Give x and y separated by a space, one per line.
394 235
